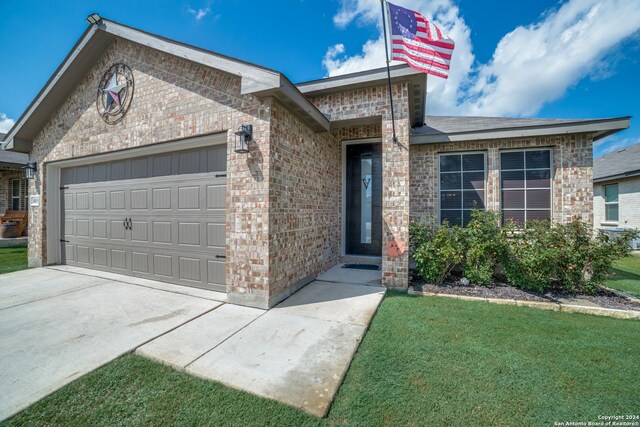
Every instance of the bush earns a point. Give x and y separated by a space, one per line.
530 255
436 251
537 258
584 260
485 246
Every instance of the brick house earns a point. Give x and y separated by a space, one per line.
13 187
164 194
616 190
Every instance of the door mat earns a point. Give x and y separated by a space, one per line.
362 266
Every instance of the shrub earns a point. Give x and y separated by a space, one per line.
437 251
530 255
484 246
584 260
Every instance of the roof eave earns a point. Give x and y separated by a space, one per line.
624 175
598 128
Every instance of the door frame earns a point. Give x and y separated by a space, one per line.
54 169
343 233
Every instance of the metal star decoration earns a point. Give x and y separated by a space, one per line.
115 92
112 92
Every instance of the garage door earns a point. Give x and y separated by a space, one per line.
160 217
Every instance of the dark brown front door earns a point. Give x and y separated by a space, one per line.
364 200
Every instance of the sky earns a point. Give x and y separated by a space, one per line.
527 58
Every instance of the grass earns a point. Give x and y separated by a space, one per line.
424 361
13 259
627 275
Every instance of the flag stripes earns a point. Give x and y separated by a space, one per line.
419 43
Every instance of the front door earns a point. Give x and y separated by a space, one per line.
364 200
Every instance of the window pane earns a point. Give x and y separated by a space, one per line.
450 199
512 160
611 212
611 193
450 181
453 217
473 162
512 179
473 199
515 216
539 179
473 180
15 190
538 159
538 215
450 163
538 199
513 199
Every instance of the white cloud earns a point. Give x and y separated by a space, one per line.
531 65
5 123
199 13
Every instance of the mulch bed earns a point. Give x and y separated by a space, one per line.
603 298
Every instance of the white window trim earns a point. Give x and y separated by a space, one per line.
13 196
604 197
552 172
437 179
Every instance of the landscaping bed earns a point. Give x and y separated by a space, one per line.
603 298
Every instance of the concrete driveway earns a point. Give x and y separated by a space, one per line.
57 324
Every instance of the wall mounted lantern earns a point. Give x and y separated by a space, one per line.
29 170
93 19
244 134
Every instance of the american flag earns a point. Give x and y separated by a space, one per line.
419 42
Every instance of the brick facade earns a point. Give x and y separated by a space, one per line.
174 99
572 163
374 103
284 198
304 203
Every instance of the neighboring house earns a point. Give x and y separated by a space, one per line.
13 187
616 189
142 173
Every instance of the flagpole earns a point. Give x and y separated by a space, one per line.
386 50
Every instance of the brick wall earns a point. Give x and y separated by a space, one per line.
173 99
373 103
628 204
572 174
304 203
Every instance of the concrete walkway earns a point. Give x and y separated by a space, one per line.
59 323
56 326
296 353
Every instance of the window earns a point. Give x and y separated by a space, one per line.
611 202
525 181
15 194
462 181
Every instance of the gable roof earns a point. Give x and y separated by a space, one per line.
256 80
439 129
623 163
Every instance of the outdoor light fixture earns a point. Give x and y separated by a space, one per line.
243 136
29 170
93 19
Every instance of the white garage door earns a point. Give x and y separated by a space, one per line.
160 217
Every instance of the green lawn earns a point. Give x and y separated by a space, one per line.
13 259
425 361
627 275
